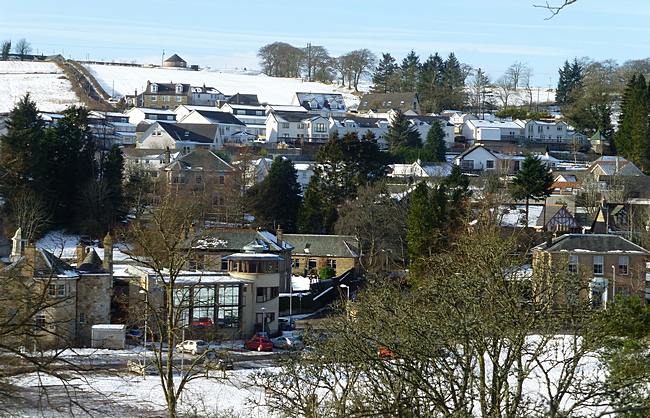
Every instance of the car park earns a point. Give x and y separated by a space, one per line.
192 346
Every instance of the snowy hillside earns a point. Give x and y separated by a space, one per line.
272 90
43 80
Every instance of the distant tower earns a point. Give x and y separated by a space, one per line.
108 253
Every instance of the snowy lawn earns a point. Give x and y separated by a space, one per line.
272 90
44 81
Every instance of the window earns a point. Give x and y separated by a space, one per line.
320 127
198 179
265 294
573 264
623 264
598 264
179 99
165 98
56 290
229 295
312 263
467 164
224 265
286 135
301 126
331 262
82 318
153 98
222 179
295 263
489 164
228 317
285 125
39 320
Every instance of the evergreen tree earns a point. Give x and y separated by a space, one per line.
5 49
402 136
276 200
317 215
113 177
420 226
430 83
21 152
533 181
383 79
434 148
410 70
569 83
453 80
633 137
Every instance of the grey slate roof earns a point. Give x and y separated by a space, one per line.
175 58
200 158
220 117
168 88
323 245
595 243
237 239
360 121
387 101
92 263
184 133
293 116
244 99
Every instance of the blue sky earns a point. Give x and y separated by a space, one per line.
490 34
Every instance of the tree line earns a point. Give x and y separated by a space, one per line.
55 176
314 63
22 48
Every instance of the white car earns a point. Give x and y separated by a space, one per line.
192 346
287 343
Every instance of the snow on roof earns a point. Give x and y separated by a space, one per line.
495 124
300 283
516 217
110 326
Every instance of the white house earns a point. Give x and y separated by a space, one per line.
424 123
291 126
477 158
419 170
143 114
547 131
183 110
230 128
205 96
483 130
183 137
360 125
253 116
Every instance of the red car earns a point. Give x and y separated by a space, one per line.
203 322
259 343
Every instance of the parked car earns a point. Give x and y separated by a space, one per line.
203 322
192 346
141 368
287 343
259 343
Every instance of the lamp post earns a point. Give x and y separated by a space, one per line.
263 319
613 283
290 300
347 289
144 339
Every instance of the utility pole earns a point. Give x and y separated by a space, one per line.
162 60
309 61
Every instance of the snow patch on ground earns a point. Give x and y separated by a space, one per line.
515 217
44 81
272 90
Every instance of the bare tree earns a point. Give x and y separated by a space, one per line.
279 59
22 48
555 7
5 49
518 73
356 64
478 88
318 63
163 245
504 87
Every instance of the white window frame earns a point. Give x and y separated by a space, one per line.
598 260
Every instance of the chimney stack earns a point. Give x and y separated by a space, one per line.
17 245
168 156
80 253
279 234
108 253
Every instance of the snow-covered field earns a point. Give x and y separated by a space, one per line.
44 81
271 90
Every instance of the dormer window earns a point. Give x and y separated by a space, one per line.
179 88
154 88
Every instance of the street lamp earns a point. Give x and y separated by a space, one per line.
146 312
347 289
263 319
613 283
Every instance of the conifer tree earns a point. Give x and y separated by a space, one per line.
570 81
384 77
420 223
633 137
434 148
402 136
430 83
533 181
317 215
410 70
276 200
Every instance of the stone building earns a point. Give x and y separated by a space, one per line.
603 266
67 300
175 62
312 252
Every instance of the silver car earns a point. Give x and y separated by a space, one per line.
192 346
287 343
